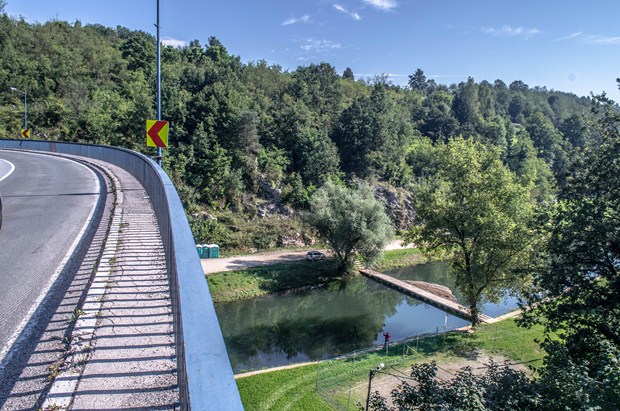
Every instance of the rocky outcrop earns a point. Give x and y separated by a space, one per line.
398 205
272 206
295 240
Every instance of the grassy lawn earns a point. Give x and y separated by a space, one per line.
296 389
399 258
254 282
292 389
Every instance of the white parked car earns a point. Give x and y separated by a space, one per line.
315 256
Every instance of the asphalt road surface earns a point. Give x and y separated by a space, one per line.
47 201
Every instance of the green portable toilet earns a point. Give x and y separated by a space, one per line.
214 251
205 251
199 249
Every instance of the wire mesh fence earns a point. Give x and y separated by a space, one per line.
343 381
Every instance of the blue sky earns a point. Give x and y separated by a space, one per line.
569 45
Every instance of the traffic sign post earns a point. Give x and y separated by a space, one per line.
25 133
159 147
157 133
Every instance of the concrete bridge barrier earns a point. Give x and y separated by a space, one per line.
205 377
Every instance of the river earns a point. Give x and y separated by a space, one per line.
312 324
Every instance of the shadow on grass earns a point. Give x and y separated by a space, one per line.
286 276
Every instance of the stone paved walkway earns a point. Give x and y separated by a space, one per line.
124 341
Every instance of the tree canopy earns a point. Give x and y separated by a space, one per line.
577 289
499 388
352 221
575 295
474 212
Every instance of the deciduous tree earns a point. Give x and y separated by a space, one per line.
499 388
474 212
577 293
351 221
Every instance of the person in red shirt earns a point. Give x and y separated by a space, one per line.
386 336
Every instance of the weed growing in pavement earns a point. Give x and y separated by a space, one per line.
76 314
54 369
53 407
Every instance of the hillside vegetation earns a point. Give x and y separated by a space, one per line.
251 142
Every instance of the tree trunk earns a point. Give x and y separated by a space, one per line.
474 314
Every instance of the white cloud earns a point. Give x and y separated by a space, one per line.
605 40
313 45
571 36
351 14
592 39
382 4
169 41
294 20
507 30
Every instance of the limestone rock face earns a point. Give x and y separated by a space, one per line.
295 240
398 205
272 204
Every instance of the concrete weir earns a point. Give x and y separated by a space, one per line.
423 295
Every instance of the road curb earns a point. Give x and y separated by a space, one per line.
82 342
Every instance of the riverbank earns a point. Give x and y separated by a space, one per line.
324 385
258 281
275 272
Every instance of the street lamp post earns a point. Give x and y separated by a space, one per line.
371 375
25 106
159 151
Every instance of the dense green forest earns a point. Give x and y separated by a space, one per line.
250 142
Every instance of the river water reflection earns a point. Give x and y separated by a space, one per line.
437 273
320 323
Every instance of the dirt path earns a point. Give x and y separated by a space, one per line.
390 379
217 265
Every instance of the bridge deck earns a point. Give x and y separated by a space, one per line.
129 361
423 295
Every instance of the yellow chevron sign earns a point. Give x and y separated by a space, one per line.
157 133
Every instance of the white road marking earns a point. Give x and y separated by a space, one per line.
10 171
13 343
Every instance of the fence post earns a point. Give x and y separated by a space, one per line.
349 399
318 365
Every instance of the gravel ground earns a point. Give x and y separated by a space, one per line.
218 265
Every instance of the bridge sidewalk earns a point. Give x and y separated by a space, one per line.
122 347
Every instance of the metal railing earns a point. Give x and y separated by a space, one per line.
204 372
